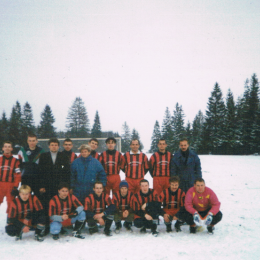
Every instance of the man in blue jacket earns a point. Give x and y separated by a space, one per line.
85 171
186 164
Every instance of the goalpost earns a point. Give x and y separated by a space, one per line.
77 142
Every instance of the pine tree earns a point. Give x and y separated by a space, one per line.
239 146
4 129
178 129
167 127
78 122
96 130
230 124
46 128
256 133
135 135
197 132
16 125
126 138
250 115
155 137
28 122
215 121
188 132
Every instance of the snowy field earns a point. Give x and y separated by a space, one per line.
235 180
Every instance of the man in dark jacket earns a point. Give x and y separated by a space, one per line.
54 167
186 164
29 159
85 171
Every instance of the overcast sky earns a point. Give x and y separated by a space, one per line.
127 59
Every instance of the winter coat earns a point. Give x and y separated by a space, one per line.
84 173
187 172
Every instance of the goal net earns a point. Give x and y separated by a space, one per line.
77 142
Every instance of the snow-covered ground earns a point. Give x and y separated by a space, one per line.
235 180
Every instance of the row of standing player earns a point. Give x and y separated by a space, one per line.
142 208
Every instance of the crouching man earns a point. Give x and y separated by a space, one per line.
147 208
203 206
173 205
122 200
25 212
100 209
65 210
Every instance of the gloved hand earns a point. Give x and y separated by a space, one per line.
14 192
196 218
209 219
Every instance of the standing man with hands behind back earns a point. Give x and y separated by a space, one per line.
186 164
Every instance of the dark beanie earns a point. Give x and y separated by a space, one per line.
123 184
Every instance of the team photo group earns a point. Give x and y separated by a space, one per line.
49 192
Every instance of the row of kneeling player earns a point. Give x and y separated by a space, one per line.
200 206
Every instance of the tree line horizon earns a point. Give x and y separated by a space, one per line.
228 127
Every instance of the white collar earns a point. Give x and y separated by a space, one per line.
134 153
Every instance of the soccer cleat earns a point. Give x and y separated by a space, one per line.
108 232
155 233
77 235
210 230
56 236
168 228
118 227
143 230
39 238
177 226
93 230
18 238
128 225
193 230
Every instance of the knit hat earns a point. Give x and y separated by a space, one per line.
123 184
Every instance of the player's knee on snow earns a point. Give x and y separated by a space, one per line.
11 230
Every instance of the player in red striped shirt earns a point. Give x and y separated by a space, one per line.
173 204
136 166
160 167
24 212
147 208
112 161
10 175
68 145
65 210
122 200
99 209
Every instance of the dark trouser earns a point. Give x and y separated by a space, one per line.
216 218
92 222
143 222
15 227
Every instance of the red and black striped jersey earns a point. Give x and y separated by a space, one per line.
140 199
172 200
122 203
160 164
66 206
9 170
97 204
20 209
112 162
71 155
95 154
136 165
